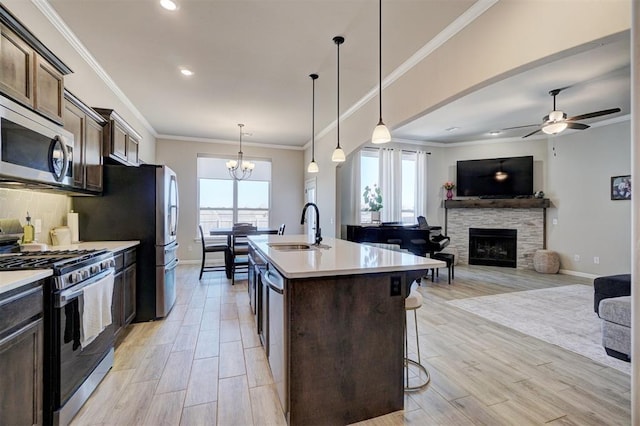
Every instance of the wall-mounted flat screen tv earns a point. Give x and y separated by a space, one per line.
497 177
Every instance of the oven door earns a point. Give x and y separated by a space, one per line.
73 364
33 148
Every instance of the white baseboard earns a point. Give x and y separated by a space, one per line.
578 274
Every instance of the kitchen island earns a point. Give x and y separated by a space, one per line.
331 319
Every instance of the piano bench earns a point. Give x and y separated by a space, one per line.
449 259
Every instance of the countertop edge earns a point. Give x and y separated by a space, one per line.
10 280
388 261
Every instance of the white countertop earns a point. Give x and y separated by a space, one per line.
341 258
10 280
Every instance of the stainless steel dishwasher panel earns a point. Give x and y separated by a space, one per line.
276 354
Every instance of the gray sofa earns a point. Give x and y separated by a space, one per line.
615 313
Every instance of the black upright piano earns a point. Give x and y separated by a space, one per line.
417 240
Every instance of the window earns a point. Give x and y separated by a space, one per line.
369 163
223 201
370 176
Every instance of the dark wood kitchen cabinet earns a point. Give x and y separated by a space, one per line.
29 72
124 290
120 141
87 128
21 355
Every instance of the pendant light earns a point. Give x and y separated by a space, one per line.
380 133
338 154
238 166
313 166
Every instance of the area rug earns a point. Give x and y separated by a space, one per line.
562 316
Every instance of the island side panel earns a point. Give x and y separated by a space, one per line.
345 348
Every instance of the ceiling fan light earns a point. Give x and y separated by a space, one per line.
557 116
500 176
338 155
380 134
313 167
169 5
554 128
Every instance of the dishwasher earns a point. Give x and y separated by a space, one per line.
276 353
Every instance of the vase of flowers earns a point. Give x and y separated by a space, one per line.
372 197
448 185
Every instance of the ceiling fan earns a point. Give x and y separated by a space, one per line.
557 121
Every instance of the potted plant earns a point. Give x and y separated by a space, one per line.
373 200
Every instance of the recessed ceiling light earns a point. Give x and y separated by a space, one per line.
452 129
169 4
495 133
186 72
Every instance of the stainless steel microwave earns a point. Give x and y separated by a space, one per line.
32 148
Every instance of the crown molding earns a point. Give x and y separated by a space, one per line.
470 15
47 10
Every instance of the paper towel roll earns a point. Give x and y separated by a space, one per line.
72 223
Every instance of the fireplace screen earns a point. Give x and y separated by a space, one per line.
493 247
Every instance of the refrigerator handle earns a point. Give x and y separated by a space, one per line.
173 205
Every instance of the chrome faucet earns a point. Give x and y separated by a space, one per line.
318 230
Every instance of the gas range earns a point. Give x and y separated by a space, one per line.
70 267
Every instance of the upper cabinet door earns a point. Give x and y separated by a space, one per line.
49 87
17 60
74 121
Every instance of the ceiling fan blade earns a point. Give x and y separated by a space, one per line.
532 133
594 114
577 126
520 127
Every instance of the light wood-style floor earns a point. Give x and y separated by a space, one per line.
203 364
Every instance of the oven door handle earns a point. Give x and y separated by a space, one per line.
65 296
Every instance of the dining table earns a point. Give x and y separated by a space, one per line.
230 233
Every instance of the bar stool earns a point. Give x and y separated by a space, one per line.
412 303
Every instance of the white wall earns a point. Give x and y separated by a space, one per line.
287 185
590 224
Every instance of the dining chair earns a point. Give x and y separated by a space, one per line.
211 248
239 259
281 229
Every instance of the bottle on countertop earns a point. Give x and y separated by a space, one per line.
28 231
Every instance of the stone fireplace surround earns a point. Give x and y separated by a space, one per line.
527 216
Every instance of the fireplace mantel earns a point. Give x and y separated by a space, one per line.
502 203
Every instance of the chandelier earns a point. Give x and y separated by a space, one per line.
240 169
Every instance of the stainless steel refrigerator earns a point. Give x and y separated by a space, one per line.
139 203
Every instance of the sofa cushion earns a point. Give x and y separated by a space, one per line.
610 286
616 310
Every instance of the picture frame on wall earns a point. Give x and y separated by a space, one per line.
621 187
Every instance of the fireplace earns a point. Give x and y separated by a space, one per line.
493 247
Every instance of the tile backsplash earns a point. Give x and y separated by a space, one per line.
50 208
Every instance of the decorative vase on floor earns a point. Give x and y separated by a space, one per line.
449 194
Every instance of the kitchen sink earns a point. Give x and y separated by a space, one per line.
291 246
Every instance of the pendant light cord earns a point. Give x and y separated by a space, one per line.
380 54
338 92
313 115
